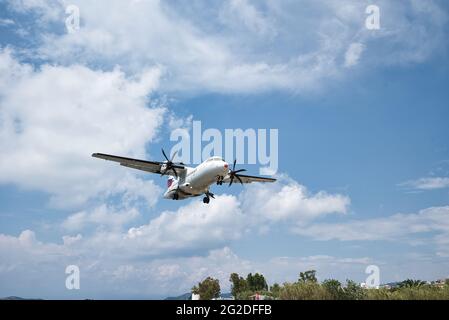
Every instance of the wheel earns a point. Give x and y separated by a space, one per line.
206 200
175 196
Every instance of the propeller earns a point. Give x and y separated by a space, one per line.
169 164
233 174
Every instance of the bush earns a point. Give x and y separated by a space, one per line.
378 294
425 292
308 288
353 291
334 289
304 291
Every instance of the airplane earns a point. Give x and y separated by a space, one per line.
186 182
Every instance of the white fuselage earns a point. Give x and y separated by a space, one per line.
196 181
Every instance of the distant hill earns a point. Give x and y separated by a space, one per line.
17 298
185 296
188 296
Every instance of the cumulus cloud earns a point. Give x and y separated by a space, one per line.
196 227
53 118
26 260
112 276
103 216
146 260
291 201
193 226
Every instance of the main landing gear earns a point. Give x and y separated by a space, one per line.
209 195
220 180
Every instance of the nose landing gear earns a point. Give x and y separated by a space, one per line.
209 195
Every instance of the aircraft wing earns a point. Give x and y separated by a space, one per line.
143 165
248 179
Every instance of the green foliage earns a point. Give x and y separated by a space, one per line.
208 289
423 292
275 290
333 287
244 295
256 282
303 291
410 283
353 291
308 276
378 294
308 288
239 284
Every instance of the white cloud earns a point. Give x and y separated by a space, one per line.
6 22
235 13
53 118
430 183
353 54
26 260
194 226
140 263
214 47
47 10
288 200
431 223
103 216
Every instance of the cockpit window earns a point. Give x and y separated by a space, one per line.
214 159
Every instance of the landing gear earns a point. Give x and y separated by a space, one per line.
175 196
209 195
220 180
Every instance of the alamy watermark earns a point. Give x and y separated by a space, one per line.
72 282
249 146
372 22
72 22
373 279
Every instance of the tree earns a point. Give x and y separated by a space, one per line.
275 289
208 289
256 282
307 276
410 283
333 287
239 284
353 291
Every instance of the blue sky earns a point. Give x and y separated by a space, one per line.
363 153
